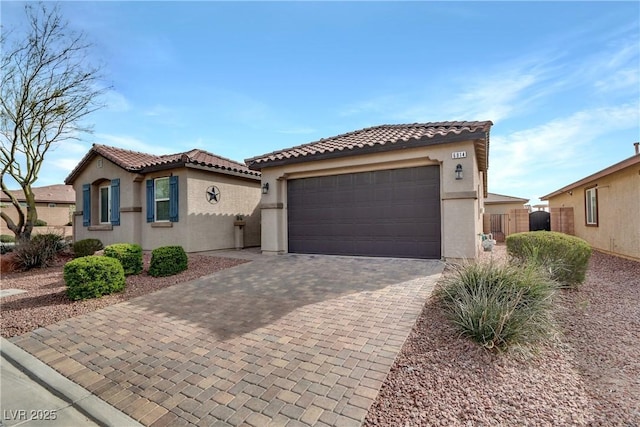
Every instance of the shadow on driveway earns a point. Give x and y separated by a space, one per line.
241 299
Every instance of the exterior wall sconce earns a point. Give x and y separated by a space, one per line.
265 188
459 171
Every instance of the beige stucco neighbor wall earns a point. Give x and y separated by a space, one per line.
200 227
461 217
501 208
57 216
618 230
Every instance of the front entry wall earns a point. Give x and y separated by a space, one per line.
391 213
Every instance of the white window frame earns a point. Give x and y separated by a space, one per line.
156 199
591 206
108 187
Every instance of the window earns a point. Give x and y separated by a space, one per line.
591 206
52 205
162 199
105 204
108 203
161 192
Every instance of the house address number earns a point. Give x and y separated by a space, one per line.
459 155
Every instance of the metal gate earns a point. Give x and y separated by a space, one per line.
539 220
498 226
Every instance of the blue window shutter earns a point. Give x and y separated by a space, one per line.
173 199
115 201
86 205
150 201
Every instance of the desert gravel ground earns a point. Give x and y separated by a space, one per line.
588 376
45 301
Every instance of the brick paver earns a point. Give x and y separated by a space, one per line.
289 338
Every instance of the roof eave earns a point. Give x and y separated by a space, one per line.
478 136
600 174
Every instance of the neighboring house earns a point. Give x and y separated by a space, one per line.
604 207
501 204
413 190
192 199
504 215
55 205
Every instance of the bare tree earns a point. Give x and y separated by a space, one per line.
48 86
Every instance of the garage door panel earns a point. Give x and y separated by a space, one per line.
381 213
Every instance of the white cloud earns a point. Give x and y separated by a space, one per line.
558 147
131 143
116 102
67 164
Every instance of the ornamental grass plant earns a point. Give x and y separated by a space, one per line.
500 306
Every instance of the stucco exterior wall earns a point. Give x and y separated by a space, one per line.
501 208
212 225
461 217
99 172
618 229
58 216
200 226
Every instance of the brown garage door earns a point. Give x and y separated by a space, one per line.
394 213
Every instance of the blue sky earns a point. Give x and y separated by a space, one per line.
560 80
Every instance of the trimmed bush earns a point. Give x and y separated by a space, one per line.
129 255
499 305
39 223
565 257
7 238
86 247
167 261
93 276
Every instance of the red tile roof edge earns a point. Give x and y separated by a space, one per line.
315 148
138 162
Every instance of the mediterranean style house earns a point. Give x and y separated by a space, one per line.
604 207
411 190
193 199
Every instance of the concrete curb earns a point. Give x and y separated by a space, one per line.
79 397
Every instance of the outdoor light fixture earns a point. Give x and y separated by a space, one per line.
265 188
459 171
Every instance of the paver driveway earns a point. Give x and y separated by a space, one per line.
285 340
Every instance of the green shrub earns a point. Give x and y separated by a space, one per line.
499 305
40 223
7 238
86 247
93 276
34 254
167 261
129 255
565 257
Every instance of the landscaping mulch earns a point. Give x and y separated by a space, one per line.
46 302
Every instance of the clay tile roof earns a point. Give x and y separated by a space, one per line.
394 136
137 162
57 193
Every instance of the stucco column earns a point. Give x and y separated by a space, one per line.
273 213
